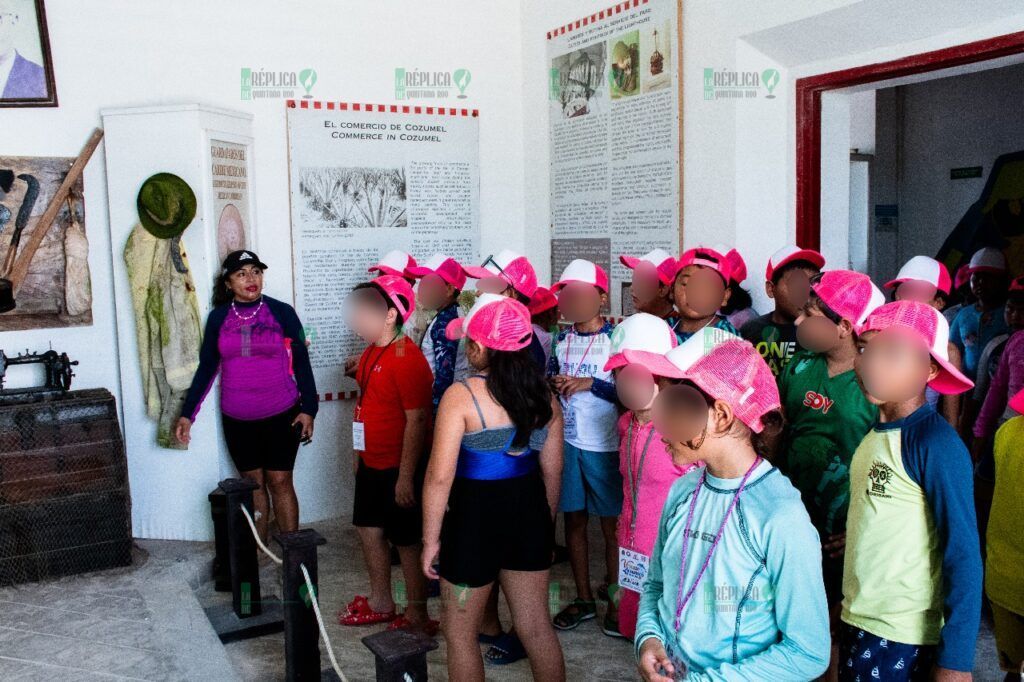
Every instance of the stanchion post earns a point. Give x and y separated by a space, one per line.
401 655
301 632
246 599
221 563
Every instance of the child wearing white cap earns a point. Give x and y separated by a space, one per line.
591 482
647 469
976 325
912 574
734 590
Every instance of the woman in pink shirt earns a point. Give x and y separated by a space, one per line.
648 471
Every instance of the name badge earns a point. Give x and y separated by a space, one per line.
358 436
568 421
633 567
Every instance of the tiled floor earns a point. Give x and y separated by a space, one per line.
145 622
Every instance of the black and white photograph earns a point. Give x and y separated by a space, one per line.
354 197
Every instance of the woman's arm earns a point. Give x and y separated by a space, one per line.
551 457
448 431
209 364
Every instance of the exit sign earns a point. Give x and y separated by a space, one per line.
965 172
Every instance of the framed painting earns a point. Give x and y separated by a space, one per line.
26 68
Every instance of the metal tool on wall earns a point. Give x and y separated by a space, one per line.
16 264
57 367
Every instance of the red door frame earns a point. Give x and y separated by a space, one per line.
808 113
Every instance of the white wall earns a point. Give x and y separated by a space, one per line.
144 52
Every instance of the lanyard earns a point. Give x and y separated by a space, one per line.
568 353
682 601
634 482
364 383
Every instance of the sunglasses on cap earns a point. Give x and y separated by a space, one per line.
496 284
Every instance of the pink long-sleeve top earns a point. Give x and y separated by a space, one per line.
1007 381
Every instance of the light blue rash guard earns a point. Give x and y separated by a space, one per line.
759 612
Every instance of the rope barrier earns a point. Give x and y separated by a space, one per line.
312 594
320 622
256 536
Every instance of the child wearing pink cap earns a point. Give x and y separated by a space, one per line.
912 575
544 316
395 263
826 412
591 483
391 423
739 309
651 289
441 281
975 325
491 490
647 469
1004 580
787 282
734 590
927 280
700 290
512 275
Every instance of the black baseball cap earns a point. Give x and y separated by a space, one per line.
236 260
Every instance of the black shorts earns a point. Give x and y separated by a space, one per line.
269 443
492 526
374 506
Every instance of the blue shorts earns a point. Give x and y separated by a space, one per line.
864 657
591 482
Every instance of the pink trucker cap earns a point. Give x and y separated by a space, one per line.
542 300
1017 402
923 269
727 368
708 258
511 267
962 276
445 267
393 263
661 259
790 253
987 259
400 292
582 271
929 324
640 339
738 265
851 295
496 322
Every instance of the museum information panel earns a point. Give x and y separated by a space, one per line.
614 134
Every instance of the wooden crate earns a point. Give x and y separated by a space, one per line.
65 505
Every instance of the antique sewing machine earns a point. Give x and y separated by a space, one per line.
57 367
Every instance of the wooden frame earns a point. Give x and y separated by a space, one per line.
49 98
808 113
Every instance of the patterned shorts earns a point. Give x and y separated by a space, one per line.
864 657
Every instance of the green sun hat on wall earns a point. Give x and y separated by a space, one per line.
166 204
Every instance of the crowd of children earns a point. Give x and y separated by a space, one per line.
793 500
